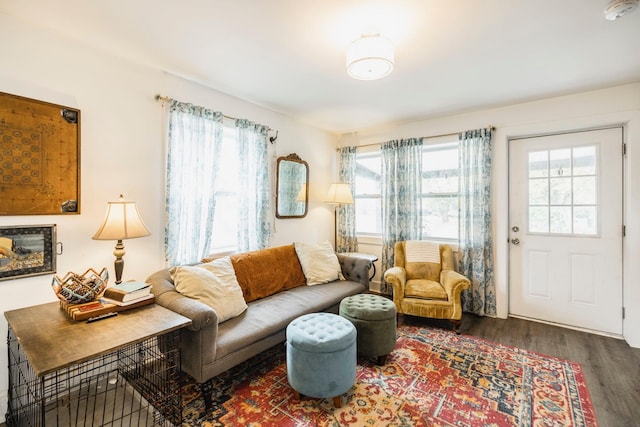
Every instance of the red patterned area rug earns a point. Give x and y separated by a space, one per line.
433 378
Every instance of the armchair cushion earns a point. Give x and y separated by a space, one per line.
427 289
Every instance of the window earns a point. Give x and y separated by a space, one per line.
563 191
439 192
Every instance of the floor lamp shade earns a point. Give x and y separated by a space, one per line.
339 194
122 221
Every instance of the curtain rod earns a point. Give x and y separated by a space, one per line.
272 139
430 136
167 99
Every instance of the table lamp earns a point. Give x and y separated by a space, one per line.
122 221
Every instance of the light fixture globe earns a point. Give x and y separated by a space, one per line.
370 57
618 8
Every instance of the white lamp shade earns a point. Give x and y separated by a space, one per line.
339 193
370 57
122 221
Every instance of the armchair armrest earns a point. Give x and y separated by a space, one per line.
397 276
454 283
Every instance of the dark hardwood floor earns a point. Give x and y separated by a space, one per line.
610 366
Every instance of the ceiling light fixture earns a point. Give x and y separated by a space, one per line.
618 8
370 57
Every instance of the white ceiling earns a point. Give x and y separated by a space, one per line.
288 55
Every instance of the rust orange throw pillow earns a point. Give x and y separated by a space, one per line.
267 271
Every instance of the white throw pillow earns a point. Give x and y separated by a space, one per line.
319 262
214 284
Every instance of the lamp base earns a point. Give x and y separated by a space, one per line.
118 265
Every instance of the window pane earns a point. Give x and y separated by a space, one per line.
368 215
584 190
538 219
225 225
584 160
538 164
440 217
560 219
560 162
368 171
539 191
585 220
560 191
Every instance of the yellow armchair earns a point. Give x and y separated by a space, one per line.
425 282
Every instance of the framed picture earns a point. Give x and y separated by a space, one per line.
27 251
39 157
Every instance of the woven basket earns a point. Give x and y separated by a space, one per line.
76 288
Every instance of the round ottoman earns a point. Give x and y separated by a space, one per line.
321 356
375 319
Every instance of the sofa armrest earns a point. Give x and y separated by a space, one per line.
201 315
355 269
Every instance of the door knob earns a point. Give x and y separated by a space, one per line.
515 241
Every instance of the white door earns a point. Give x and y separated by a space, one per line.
565 228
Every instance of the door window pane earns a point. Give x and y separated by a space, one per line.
538 219
538 191
584 160
539 164
585 220
560 219
560 191
584 190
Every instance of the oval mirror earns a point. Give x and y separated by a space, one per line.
292 185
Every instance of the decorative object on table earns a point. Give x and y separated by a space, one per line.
27 251
76 288
40 171
122 221
127 291
339 194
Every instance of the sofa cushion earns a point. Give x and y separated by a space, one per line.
267 271
319 262
214 284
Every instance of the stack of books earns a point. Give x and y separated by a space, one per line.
128 295
123 296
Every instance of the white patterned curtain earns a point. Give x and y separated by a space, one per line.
401 196
346 226
194 141
253 183
475 233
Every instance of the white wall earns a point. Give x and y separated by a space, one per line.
122 152
579 111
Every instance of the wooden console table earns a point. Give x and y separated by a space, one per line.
122 370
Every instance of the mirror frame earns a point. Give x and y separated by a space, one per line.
293 157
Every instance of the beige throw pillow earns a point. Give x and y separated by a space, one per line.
319 262
214 284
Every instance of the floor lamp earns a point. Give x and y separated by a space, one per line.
339 194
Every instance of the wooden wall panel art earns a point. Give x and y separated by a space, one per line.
39 157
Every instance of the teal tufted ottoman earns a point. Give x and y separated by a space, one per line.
321 356
375 319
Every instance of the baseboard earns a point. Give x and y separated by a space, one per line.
575 328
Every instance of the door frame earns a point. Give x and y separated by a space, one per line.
623 127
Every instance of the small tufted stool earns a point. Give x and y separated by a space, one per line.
321 356
375 319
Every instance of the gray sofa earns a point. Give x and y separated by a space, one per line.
274 287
